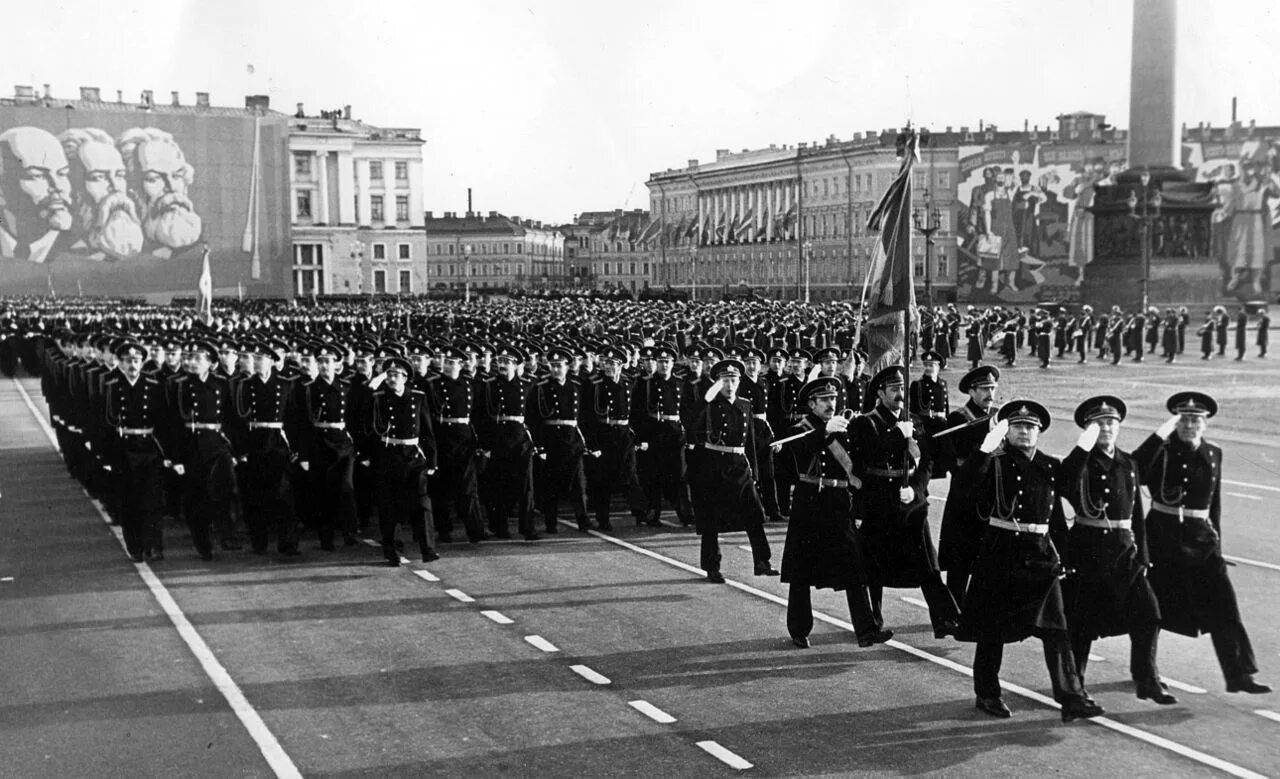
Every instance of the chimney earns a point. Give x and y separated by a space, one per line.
90 94
980 125
300 113
202 99
48 93
803 145
346 112
493 214
257 102
1233 104
23 93
948 128
468 201
430 215
693 163
174 98
148 98
119 95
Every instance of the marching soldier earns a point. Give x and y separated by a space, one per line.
506 446
929 398
755 389
656 417
611 441
326 449
784 411
262 406
1116 329
554 412
451 395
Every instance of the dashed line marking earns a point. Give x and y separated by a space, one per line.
1271 715
460 596
1177 685
1242 495
590 675
1247 561
425 575
542 643
499 617
652 712
724 755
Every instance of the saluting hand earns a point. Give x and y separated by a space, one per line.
995 437
1089 437
1166 430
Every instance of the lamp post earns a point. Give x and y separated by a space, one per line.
1145 210
807 255
466 271
927 223
693 272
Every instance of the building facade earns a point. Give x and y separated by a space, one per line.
492 254
609 251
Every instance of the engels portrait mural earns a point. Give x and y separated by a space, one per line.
86 194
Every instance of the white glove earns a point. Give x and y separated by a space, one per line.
644 446
906 494
432 471
1165 430
376 381
776 448
908 428
88 445
597 453
1089 437
306 466
541 456
180 469
837 424
713 390
365 463
994 437
106 468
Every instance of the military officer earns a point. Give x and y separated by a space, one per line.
929 398
506 446
656 417
262 406
451 395
326 449
554 412
611 440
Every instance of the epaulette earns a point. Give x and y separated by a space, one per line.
416 392
150 380
112 380
544 381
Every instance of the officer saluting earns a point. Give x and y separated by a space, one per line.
1184 537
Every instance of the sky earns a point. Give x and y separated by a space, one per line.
547 108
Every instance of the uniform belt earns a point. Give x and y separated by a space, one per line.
617 422
519 419
666 417
1019 527
266 426
400 441
1179 511
135 430
1105 524
194 426
762 417
330 425
726 449
824 482
795 417
561 422
936 414
890 473
455 420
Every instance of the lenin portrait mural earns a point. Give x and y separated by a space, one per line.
122 201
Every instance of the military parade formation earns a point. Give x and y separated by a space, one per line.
271 424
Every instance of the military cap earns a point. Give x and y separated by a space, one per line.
826 353
454 352
751 351
201 345
664 351
578 350
321 348
1192 402
510 352
981 376
365 347
559 354
252 346
778 352
127 348
799 354
280 345
930 355
859 355
821 387
728 367
467 346
228 344
734 350
1100 407
1023 411
648 353
397 364
885 378
612 353
712 354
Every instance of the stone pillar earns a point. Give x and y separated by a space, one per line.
389 192
322 187
363 218
346 189
1153 138
416 216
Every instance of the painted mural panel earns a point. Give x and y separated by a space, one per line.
122 202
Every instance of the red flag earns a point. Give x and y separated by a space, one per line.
889 295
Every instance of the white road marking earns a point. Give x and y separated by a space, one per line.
7 579
1271 715
590 675
1247 561
1177 685
652 712
1250 485
425 575
724 755
1242 495
499 617
268 745
460 596
542 643
1096 658
915 601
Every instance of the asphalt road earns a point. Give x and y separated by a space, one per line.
581 655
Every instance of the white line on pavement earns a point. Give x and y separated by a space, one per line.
590 675
1271 715
724 755
1250 484
499 617
652 712
1242 495
425 575
542 643
1247 561
279 761
1096 658
1177 685
915 601
459 595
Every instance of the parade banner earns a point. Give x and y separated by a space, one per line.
120 199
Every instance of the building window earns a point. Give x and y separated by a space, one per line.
375 208
403 251
302 164
919 180
633 269
375 171
304 204
519 248
402 208
402 171
379 251
451 252
379 281
406 281
942 264
944 179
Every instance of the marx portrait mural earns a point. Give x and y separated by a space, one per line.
107 204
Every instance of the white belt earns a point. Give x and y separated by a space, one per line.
455 420
1019 527
194 426
561 422
266 426
1106 524
666 417
135 430
519 419
330 425
1179 511
399 441
617 422
726 449
762 417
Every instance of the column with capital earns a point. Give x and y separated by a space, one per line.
389 192
416 216
321 210
346 188
363 217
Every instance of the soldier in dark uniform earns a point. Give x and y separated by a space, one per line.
1169 337
1009 343
1015 593
611 440
451 396
754 388
262 406
326 449
1221 323
1206 337
1264 331
1083 333
1152 324
725 495
505 443
957 547
404 456
1115 334
1107 592
1044 333
1242 322
823 548
784 411
973 336
928 397
893 502
134 416
201 410
366 355
656 417
1184 537
554 413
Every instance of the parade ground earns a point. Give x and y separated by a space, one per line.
586 654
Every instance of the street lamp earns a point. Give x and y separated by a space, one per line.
1145 211
806 257
693 272
927 224
466 270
